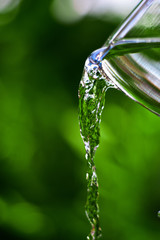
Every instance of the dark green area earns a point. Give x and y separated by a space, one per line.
42 165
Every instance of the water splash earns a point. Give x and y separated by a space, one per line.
92 89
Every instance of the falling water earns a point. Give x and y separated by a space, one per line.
128 61
92 89
136 76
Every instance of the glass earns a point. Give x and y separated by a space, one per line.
130 58
130 62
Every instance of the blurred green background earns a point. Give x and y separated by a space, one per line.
42 165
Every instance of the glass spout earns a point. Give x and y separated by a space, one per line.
131 56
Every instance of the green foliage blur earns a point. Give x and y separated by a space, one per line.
42 164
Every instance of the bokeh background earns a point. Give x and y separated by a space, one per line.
43 47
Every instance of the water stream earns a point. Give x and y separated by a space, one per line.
129 65
92 89
129 61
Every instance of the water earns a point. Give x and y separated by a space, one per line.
125 65
128 61
92 89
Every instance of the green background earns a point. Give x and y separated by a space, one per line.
42 164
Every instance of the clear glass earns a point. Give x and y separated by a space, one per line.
131 56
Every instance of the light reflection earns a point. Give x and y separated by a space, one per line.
83 7
4 4
8 5
73 10
63 10
122 7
